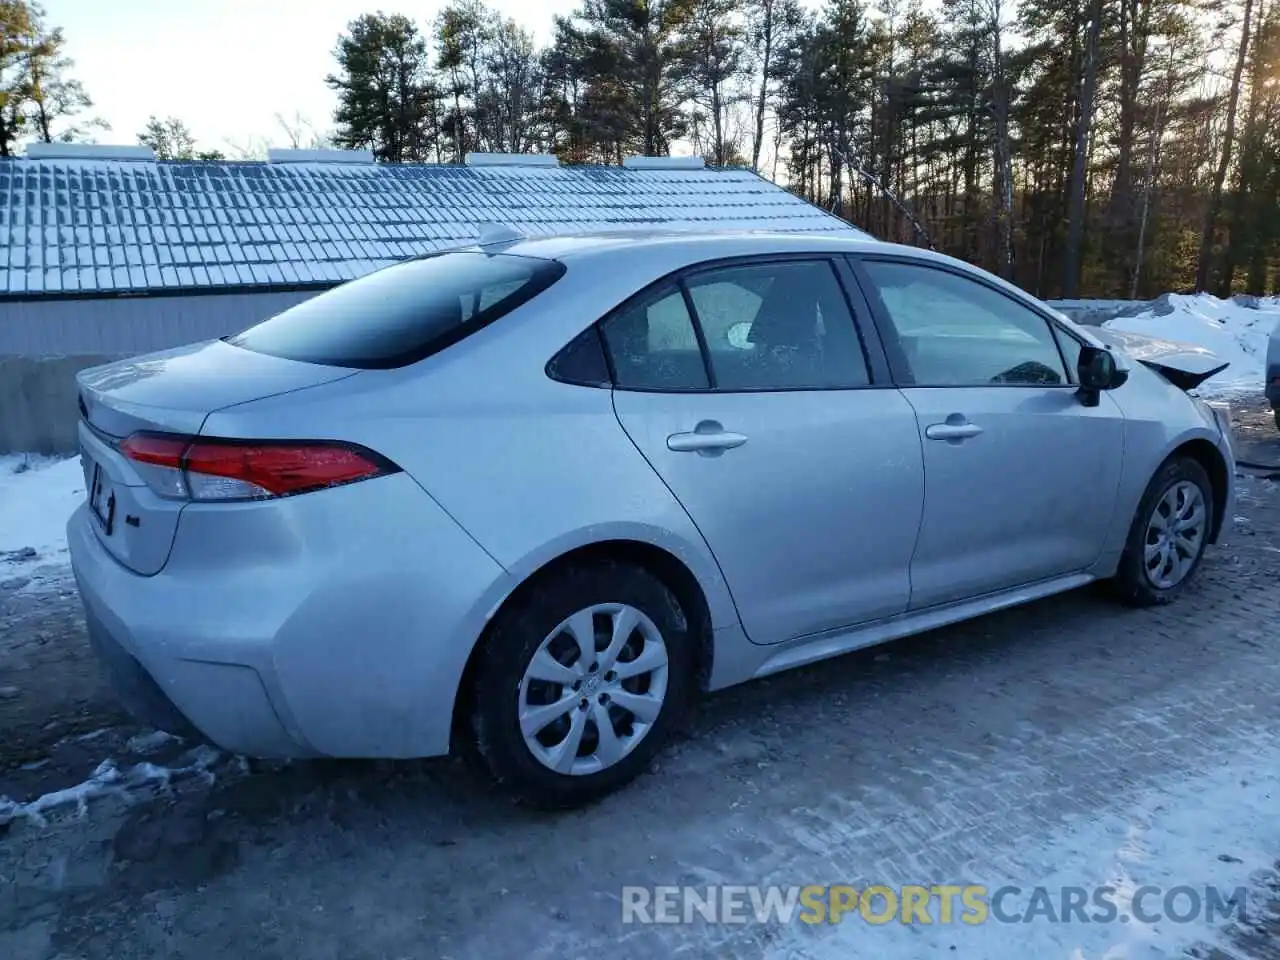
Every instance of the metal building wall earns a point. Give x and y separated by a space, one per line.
130 325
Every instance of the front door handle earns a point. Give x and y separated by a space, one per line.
707 438
953 430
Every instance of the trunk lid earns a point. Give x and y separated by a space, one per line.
1186 365
176 389
173 391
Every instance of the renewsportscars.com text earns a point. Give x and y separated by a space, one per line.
934 904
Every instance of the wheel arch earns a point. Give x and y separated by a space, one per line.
661 563
1205 453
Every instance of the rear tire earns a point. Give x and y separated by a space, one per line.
580 683
1168 536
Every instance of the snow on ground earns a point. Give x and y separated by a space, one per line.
1176 842
1236 330
109 780
37 497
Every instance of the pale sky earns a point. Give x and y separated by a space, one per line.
226 67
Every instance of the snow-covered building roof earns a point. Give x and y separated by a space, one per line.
83 221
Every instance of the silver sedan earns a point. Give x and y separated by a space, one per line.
525 500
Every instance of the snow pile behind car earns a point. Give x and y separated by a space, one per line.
1237 330
37 496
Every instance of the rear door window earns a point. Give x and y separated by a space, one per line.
778 326
403 313
653 345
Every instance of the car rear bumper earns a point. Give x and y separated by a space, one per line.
230 701
331 624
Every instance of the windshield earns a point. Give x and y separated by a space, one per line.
403 313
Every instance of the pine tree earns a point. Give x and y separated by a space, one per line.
38 95
464 31
16 28
712 51
386 100
632 60
772 28
52 94
170 138
1214 207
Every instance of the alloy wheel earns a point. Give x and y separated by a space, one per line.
1175 535
593 689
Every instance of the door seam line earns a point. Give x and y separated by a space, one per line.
685 510
924 499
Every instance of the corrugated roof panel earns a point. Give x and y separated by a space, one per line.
131 224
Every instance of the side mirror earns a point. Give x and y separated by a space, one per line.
1098 371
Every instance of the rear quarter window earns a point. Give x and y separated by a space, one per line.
404 313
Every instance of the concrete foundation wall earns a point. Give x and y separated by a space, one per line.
44 343
38 402
131 325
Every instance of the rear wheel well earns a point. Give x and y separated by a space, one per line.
1208 456
677 577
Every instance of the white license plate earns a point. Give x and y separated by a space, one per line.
101 500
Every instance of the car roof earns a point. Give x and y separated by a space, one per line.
701 244
663 249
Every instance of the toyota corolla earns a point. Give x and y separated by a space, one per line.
526 500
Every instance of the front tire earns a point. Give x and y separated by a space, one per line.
580 682
1169 535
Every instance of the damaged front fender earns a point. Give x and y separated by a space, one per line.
1185 365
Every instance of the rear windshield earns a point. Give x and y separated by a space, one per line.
401 314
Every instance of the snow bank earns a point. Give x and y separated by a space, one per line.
37 497
1237 330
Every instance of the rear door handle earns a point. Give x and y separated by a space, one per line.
952 431
707 438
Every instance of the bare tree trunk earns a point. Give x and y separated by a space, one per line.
1153 166
717 125
1134 38
777 149
1224 160
1002 153
1231 254
766 66
1084 128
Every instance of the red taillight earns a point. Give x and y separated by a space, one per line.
156 449
237 469
280 469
